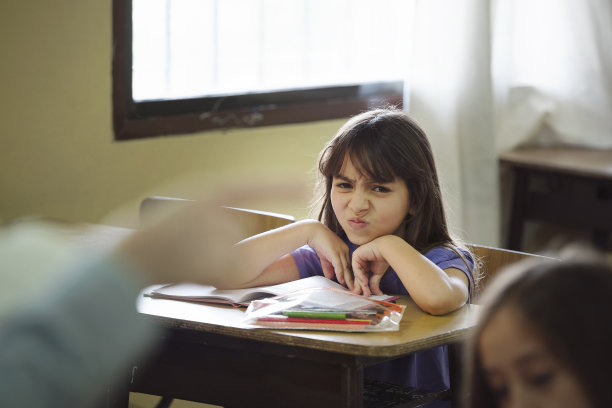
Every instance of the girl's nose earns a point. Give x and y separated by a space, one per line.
520 397
359 202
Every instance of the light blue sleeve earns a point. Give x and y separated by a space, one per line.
70 344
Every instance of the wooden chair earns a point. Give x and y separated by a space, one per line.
491 260
254 221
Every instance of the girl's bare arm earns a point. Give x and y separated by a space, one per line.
265 259
434 290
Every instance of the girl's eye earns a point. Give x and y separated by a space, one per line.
343 185
381 189
542 379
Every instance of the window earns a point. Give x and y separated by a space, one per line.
181 66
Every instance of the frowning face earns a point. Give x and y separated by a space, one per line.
365 208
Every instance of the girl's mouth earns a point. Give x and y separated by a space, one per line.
357 223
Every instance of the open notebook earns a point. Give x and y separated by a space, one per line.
191 292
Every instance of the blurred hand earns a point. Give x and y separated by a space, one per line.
194 243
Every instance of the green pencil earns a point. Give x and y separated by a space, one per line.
315 315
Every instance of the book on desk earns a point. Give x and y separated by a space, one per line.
191 292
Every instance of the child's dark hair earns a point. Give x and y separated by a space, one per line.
566 303
385 144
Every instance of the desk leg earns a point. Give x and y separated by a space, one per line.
352 385
455 368
517 213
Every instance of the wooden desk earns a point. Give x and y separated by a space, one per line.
563 186
210 356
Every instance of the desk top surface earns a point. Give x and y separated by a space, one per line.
574 161
417 330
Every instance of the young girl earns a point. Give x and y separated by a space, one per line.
545 338
381 229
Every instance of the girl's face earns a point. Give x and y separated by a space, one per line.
367 209
520 369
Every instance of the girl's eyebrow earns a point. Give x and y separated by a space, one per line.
531 357
367 181
343 177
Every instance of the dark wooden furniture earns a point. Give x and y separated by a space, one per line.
211 356
563 186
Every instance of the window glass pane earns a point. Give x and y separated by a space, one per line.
149 49
238 45
329 44
194 48
283 43
379 45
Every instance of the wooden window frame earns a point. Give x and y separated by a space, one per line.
134 120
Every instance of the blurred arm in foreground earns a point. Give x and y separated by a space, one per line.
62 344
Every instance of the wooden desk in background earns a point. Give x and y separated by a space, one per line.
209 355
563 186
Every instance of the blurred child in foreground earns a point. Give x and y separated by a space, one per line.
545 338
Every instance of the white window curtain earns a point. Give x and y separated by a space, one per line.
487 76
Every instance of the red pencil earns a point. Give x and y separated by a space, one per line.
313 321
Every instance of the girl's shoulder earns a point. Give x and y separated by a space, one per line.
449 252
447 256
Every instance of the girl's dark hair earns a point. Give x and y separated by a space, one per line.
568 303
385 144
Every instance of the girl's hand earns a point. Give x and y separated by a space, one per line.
333 253
369 266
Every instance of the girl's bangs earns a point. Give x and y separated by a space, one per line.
371 157
371 162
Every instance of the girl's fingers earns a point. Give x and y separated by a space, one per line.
328 268
358 289
348 279
343 274
334 256
364 290
361 277
346 271
375 284
359 271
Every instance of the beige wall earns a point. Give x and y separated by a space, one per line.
57 154
58 157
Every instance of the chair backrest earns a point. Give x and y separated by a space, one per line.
254 221
491 260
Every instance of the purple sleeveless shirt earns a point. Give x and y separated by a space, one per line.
427 369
